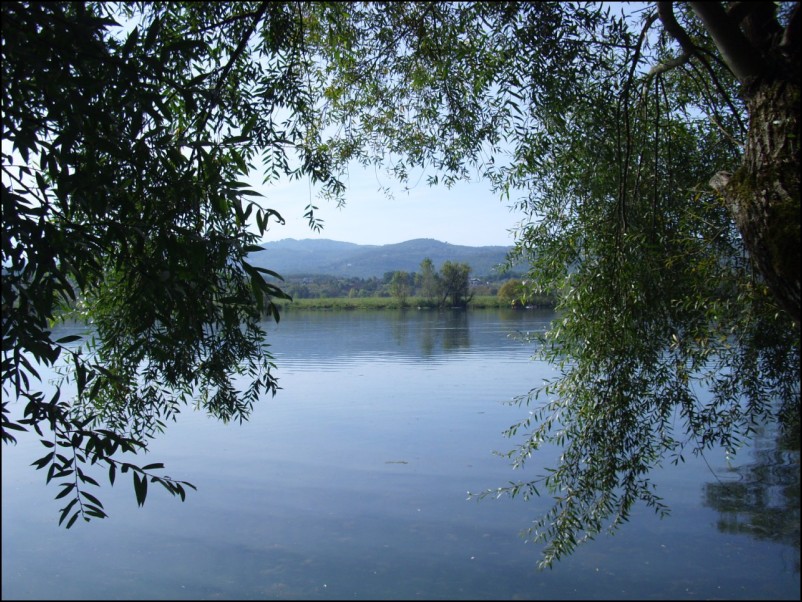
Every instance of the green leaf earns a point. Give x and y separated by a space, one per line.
14 427
72 520
69 339
44 461
269 272
91 498
94 511
133 38
80 377
66 510
140 488
153 32
87 479
67 488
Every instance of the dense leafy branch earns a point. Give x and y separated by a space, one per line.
673 28
735 50
669 336
123 206
678 303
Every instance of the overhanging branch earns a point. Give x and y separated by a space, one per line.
665 11
666 15
738 54
667 66
238 52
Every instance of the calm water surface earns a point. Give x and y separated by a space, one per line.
351 484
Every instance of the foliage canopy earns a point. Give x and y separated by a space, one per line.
657 165
654 155
124 203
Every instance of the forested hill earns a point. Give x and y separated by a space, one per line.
291 257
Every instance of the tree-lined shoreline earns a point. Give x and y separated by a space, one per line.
412 303
652 153
450 287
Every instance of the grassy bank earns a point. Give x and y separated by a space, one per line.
366 303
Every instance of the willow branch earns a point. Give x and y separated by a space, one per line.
227 21
666 13
790 39
739 55
666 66
236 54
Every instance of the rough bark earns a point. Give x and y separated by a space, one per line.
763 194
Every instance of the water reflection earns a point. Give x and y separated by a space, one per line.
761 498
446 330
305 338
351 484
432 331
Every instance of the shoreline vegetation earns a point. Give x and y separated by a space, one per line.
449 288
413 303
71 315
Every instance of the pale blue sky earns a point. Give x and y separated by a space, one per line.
467 214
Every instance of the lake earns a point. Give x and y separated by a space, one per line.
352 483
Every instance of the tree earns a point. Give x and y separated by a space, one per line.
123 203
428 281
454 283
399 287
656 158
730 62
512 292
763 193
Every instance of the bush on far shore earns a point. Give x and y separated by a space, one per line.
365 303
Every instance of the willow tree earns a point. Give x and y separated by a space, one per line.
655 157
128 133
454 282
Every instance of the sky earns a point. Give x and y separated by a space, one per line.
467 214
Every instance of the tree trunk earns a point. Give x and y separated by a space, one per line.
763 195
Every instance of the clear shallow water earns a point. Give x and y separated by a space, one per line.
351 484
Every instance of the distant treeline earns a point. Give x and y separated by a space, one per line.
318 286
452 286
453 281
381 303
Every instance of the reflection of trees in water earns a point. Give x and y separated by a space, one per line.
427 339
400 327
448 328
455 333
762 500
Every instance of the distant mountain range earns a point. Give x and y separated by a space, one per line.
291 257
